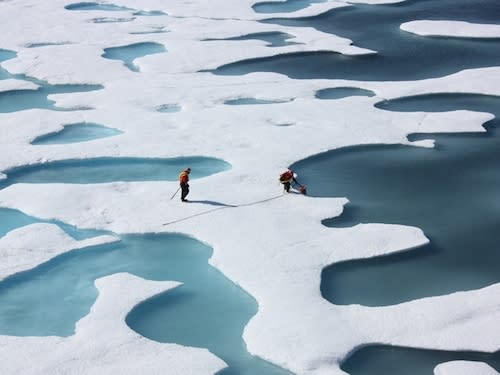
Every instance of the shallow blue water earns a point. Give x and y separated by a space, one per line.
19 100
74 133
207 310
100 170
11 219
65 285
390 360
451 192
5 55
284 6
401 55
129 53
342 92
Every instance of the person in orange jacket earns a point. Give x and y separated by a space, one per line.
183 181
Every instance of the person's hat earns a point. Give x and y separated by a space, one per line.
188 170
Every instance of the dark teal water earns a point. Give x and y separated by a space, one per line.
101 170
401 55
452 192
129 53
74 133
273 39
390 360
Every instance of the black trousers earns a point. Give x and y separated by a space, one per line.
184 191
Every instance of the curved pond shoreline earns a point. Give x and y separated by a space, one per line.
49 299
400 56
11 219
208 310
448 191
284 6
393 360
19 100
273 39
301 355
129 53
109 169
74 133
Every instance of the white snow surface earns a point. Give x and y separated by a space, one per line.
15 84
459 29
272 245
464 368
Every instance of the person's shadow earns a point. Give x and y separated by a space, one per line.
213 203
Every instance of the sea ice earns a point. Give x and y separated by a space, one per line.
464 368
272 245
458 29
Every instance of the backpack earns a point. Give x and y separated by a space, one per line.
286 176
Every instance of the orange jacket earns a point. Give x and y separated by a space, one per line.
184 177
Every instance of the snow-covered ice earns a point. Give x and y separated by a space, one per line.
459 29
272 245
464 368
